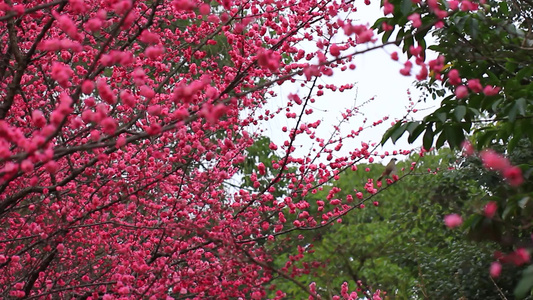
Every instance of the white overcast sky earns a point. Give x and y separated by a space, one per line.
376 75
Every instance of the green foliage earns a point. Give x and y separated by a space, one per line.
402 246
515 208
526 283
493 45
405 35
258 153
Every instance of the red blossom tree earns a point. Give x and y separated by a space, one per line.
122 121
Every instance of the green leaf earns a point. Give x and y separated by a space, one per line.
428 137
511 206
493 77
512 113
459 112
378 22
460 22
475 111
408 42
422 43
513 142
389 132
525 284
441 116
495 104
455 136
466 125
441 140
108 72
473 221
504 8
386 36
511 29
524 73
406 7
520 103
485 137
522 203
398 132
436 48
511 65
449 99
399 36
411 126
415 133
474 28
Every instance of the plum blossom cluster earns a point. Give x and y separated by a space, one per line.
473 85
513 174
121 125
497 162
441 10
492 161
518 257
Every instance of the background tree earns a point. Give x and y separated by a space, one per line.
122 123
485 54
400 244
483 80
